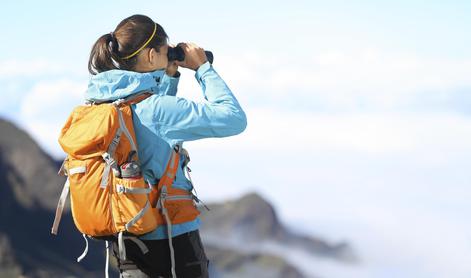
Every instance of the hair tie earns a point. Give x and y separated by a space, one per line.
113 43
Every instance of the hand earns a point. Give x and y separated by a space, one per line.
172 68
194 56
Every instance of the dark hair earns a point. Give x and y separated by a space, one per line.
130 34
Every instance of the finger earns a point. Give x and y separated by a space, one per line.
189 44
183 46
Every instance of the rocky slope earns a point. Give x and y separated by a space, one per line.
29 190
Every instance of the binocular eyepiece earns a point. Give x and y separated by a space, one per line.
177 54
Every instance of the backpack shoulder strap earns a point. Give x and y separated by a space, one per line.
133 99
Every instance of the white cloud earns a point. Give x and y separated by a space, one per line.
402 238
35 67
345 79
397 243
9 68
45 108
377 133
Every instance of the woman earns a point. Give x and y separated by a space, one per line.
131 59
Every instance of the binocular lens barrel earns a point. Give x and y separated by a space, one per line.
177 54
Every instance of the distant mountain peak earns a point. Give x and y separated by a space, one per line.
254 200
250 212
252 219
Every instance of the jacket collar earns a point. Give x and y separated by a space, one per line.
116 84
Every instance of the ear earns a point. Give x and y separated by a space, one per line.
151 55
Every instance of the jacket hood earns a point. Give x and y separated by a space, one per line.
115 84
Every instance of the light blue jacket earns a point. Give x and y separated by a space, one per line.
164 120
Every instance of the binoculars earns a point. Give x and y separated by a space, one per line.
177 54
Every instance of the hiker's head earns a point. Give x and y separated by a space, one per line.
137 44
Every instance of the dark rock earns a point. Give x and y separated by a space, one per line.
251 216
29 171
29 191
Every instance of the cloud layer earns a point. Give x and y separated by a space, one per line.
374 143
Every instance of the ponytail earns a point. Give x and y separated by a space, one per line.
101 57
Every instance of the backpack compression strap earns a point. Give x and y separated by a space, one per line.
64 194
167 178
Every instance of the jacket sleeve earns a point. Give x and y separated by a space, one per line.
169 85
219 115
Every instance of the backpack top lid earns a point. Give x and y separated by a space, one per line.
89 130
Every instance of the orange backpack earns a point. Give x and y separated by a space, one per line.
100 142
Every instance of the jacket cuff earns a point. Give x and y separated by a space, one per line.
202 70
169 85
176 75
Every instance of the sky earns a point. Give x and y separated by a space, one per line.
358 113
